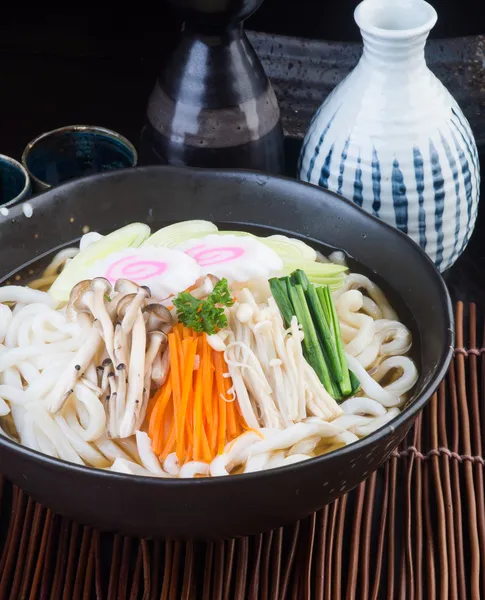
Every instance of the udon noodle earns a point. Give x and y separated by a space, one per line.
112 376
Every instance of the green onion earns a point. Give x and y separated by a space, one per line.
321 324
326 302
354 382
323 347
311 342
278 289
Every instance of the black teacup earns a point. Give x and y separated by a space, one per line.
14 182
76 151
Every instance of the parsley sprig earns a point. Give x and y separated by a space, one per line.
204 315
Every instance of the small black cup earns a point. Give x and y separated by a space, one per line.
76 151
14 182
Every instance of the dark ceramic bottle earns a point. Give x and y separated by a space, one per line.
213 105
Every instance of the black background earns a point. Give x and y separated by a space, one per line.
141 26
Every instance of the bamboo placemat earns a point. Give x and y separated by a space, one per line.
414 530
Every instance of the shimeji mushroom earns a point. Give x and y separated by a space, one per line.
129 312
159 317
130 306
125 286
89 297
159 320
121 357
160 368
135 396
107 367
112 406
101 288
129 337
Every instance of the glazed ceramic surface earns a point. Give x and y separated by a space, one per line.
391 138
241 504
14 182
76 151
212 105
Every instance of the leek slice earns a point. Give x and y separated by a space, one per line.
131 236
178 233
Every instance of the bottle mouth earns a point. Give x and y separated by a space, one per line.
395 19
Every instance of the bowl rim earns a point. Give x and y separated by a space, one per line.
410 412
70 129
24 194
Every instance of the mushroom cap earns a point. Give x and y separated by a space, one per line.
76 302
160 311
78 290
155 334
100 283
123 304
125 286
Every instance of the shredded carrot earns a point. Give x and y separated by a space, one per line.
190 414
198 415
187 333
232 424
215 419
152 402
169 444
189 349
155 428
207 381
153 421
205 449
173 345
178 333
189 419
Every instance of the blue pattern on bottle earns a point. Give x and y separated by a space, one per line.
453 158
467 179
376 183
456 179
317 148
439 202
306 141
474 151
399 198
465 136
325 172
341 169
420 185
358 185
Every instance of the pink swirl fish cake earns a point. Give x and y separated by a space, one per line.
233 257
163 270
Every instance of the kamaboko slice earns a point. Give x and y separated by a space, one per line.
131 236
165 271
234 257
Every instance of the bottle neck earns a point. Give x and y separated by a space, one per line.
404 54
395 33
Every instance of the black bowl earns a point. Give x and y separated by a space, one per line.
243 504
